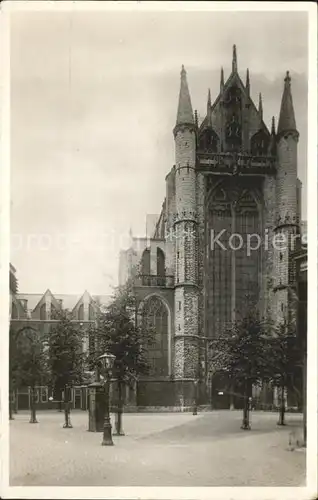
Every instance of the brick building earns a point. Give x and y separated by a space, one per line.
232 175
36 312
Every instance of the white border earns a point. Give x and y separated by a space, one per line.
161 493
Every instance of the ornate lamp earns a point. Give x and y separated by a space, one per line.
107 362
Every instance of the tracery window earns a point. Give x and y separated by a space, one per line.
246 263
219 265
232 281
259 143
233 133
232 102
208 141
155 317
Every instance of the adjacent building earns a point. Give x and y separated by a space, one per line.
36 311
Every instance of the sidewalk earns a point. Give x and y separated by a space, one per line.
158 450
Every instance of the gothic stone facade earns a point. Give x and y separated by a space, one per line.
193 277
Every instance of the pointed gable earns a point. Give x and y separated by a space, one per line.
17 309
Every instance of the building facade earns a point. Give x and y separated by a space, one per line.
36 312
223 241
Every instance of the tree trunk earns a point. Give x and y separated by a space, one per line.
33 419
246 409
119 415
232 407
67 409
281 420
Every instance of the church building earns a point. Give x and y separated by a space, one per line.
222 242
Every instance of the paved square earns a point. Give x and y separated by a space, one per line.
172 449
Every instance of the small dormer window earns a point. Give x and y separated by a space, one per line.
43 312
81 312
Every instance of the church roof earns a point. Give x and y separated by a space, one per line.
67 301
286 120
185 112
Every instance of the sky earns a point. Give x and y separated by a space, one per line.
93 105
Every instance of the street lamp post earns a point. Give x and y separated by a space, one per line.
107 362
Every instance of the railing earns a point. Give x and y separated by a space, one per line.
159 281
235 162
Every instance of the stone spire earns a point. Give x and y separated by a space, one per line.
234 60
287 122
260 106
247 85
185 113
222 80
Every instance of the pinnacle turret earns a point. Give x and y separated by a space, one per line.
247 85
222 80
287 122
234 60
260 106
209 98
273 126
208 111
272 142
185 113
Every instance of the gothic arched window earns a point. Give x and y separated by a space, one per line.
80 312
155 318
91 312
208 141
53 312
14 311
233 97
43 312
145 262
259 143
232 269
161 268
233 133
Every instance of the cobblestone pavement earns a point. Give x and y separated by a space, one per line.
180 449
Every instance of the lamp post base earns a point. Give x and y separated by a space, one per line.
245 427
246 423
107 435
